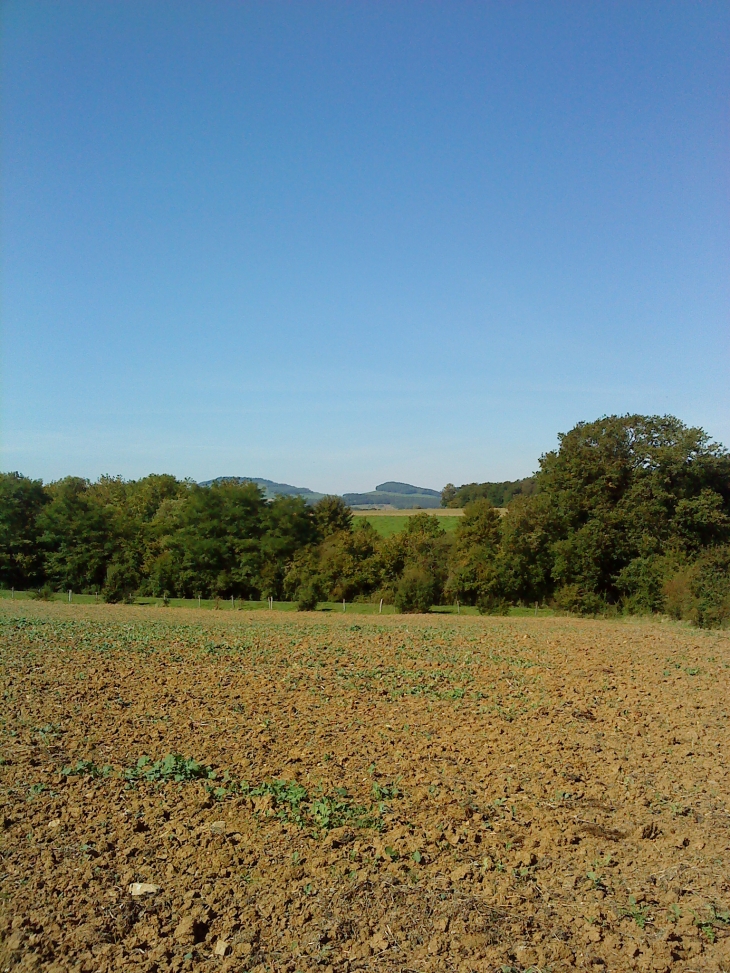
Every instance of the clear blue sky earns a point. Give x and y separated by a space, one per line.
334 243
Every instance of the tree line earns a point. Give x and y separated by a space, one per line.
499 494
629 514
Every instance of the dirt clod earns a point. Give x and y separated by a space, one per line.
143 888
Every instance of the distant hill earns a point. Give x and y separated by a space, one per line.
404 496
270 487
392 486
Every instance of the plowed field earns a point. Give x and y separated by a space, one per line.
251 791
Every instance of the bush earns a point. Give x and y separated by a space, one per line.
642 584
712 588
307 598
572 598
679 599
43 594
492 605
416 591
701 593
121 583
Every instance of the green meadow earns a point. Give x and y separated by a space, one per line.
387 524
240 604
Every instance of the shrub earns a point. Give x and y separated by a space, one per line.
574 599
43 594
679 599
642 584
307 598
492 605
701 593
416 591
712 588
121 582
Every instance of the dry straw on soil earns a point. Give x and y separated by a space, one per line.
408 794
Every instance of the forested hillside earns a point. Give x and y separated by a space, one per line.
498 494
403 496
629 514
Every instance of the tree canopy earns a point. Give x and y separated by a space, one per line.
629 513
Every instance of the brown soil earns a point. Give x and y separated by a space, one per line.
482 793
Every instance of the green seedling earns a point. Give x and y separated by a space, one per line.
595 874
718 919
86 768
639 913
47 732
173 767
292 802
384 793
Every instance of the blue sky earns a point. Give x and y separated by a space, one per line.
335 243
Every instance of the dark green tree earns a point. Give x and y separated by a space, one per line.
423 545
21 501
289 526
209 541
474 568
331 514
346 564
619 489
416 590
80 533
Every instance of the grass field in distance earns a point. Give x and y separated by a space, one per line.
389 522
225 605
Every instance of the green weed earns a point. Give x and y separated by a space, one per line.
86 768
173 767
708 926
639 913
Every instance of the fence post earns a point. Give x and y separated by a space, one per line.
69 596
380 610
12 594
343 604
